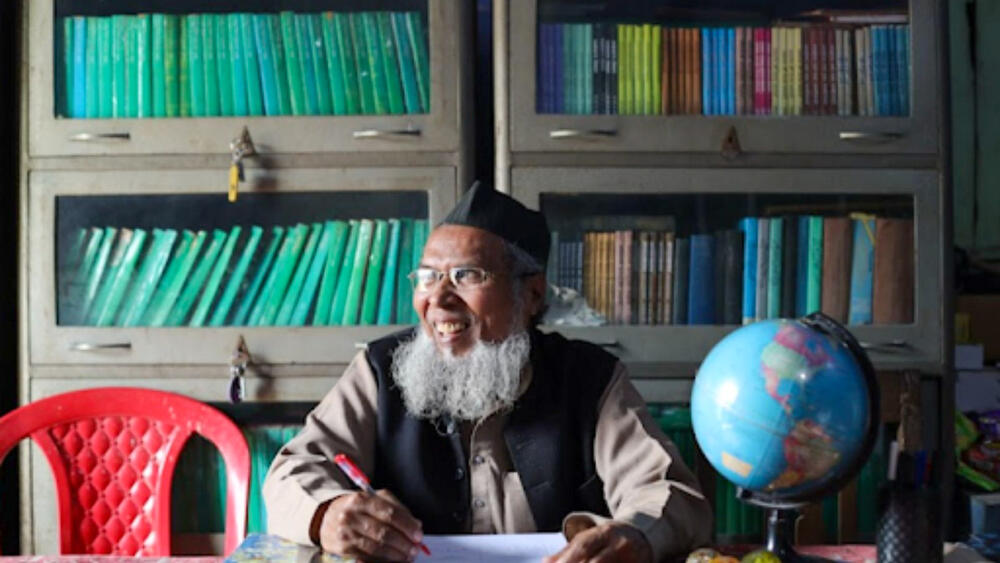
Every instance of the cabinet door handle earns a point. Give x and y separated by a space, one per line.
386 133
888 347
360 345
95 346
101 137
870 136
593 134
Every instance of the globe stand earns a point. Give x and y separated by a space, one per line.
780 530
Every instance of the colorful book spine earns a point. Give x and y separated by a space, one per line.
308 65
701 287
390 278
153 266
92 73
143 67
389 62
173 279
358 37
339 302
407 69
359 272
749 227
119 279
262 270
221 312
814 270
321 67
251 62
418 42
195 65
64 90
317 266
373 278
210 65
171 68
293 64
774 258
224 64
214 282
294 291
376 65
348 68
104 68
183 69
339 236
278 59
78 99
266 310
862 268
196 282
404 296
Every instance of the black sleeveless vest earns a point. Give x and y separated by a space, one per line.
549 433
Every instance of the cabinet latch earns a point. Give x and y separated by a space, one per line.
240 147
238 363
731 144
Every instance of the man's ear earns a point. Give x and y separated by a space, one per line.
534 288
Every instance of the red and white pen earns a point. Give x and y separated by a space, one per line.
361 480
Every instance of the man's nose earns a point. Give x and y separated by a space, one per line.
442 292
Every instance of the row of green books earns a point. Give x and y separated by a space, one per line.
196 65
331 273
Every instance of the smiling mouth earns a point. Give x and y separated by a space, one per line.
450 329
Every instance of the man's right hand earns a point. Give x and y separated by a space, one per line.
370 527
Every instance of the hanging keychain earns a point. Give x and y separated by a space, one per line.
240 147
237 369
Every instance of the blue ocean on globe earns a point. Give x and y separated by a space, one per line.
780 408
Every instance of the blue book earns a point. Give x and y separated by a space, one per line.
749 227
78 99
268 77
862 266
775 243
719 66
802 266
904 72
892 69
407 70
706 71
879 64
701 281
730 78
558 93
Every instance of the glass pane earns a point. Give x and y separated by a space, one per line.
191 59
305 258
653 259
645 57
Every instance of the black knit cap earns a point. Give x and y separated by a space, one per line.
484 208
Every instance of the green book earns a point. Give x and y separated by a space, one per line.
814 265
263 269
376 67
144 66
119 279
158 30
96 273
210 60
104 67
404 295
196 282
131 68
344 275
373 279
183 68
775 243
390 278
359 41
237 68
248 41
334 257
278 59
215 278
92 72
348 65
99 286
236 278
622 63
224 64
153 264
419 238
390 62
332 57
355 287
294 291
317 42
293 64
317 264
407 72
266 309
418 41
76 295
119 38
64 93
195 65
307 64
171 67
173 276
265 57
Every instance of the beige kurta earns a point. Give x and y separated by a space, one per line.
645 482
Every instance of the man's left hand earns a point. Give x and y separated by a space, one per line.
611 542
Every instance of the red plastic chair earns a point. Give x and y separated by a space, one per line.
112 451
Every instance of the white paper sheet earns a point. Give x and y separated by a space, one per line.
490 548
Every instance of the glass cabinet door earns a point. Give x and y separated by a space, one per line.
126 77
124 269
824 76
661 271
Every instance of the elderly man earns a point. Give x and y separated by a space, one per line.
476 422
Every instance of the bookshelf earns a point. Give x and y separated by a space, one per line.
627 154
136 269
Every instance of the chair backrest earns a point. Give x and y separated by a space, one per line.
113 451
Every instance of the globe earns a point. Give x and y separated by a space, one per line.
787 411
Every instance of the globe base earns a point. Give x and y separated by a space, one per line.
781 531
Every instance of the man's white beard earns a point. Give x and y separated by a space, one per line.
466 387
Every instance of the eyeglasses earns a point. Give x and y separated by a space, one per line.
462 278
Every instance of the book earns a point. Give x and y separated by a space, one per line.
195 65
404 295
348 66
237 64
224 65
390 62
358 39
334 59
91 72
763 267
789 266
317 267
732 276
407 69
775 249
292 64
391 278
119 277
64 80
307 64
76 295
78 93
210 65
682 266
265 63
336 250
376 64
236 278
339 303
814 268
153 266
292 294
196 281
862 266
373 278
278 60
171 67
321 67
143 67
214 282
418 42
262 269
749 227
183 69
104 67
420 232
359 271
265 311
893 271
172 281
837 237
251 63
